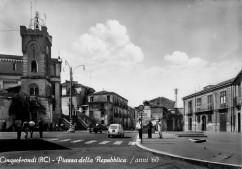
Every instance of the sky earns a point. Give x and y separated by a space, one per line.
139 49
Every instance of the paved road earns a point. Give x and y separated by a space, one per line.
66 150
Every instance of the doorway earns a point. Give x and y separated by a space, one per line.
223 121
189 123
203 123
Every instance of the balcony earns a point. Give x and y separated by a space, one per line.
190 112
237 101
210 107
223 106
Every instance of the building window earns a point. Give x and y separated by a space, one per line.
199 101
210 99
34 66
198 119
14 66
102 105
223 97
190 107
108 98
210 118
102 113
91 98
34 90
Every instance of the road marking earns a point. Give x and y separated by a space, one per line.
76 141
118 142
133 143
54 139
104 142
65 140
90 142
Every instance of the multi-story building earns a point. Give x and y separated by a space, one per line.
108 107
237 100
210 109
79 97
34 74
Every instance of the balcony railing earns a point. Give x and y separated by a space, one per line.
190 112
223 105
210 107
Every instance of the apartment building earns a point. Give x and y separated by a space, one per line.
215 108
108 107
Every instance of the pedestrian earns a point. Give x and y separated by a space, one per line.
26 127
160 128
31 128
150 129
18 127
41 127
139 128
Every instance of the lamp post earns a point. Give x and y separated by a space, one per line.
72 128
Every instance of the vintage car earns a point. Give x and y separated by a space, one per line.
115 130
95 128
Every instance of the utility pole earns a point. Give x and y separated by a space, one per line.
72 127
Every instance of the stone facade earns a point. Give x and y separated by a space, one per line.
35 73
211 109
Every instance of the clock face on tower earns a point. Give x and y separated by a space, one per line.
34 48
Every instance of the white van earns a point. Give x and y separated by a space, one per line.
115 130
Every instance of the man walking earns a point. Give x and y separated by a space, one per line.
18 128
160 128
31 128
26 128
139 127
41 127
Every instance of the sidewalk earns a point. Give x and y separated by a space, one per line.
221 149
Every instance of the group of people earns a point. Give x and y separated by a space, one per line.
28 127
149 129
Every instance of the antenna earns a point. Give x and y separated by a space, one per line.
176 93
45 18
31 11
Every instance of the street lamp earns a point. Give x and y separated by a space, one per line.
72 127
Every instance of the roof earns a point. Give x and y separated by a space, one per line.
163 102
75 84
207 90
104 92
17 57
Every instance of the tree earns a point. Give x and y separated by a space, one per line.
25 107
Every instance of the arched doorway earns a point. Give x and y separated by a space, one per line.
203 123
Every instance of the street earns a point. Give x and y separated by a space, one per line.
79 149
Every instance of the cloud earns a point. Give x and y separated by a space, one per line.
108 43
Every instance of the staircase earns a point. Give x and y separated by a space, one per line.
82 122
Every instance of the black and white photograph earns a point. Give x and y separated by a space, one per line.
141 84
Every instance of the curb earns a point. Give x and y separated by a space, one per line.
205 163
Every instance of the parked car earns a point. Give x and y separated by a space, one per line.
96 128
115 130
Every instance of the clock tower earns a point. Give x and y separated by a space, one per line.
36 79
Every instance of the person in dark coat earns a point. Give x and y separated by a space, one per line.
18 128
150 129
26 128
31 128
41 127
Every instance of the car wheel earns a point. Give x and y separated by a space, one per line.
108 136
100 131
123 135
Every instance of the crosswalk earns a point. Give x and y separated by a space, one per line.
88 142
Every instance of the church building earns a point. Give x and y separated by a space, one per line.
35 74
